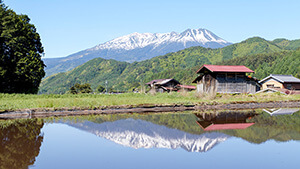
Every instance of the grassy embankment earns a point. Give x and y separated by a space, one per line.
90 101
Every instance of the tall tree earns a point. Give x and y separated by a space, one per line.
21 67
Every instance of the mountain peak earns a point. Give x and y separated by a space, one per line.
199 37
138 47
255 39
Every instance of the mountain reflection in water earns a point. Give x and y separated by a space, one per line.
190 131
142 134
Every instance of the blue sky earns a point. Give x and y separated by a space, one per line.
68 26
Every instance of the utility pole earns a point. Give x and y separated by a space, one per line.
106 86
142 91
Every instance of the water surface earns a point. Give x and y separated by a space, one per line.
266 138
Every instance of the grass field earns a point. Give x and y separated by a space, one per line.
90 101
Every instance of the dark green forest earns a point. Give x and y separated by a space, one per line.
21 67
264 57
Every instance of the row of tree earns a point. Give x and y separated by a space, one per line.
86 88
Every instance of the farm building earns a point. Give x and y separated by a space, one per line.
225 79
280 82
163 85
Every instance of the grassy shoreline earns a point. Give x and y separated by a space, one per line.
12 102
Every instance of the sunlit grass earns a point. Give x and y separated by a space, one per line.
91 101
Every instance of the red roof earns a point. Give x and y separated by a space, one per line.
226 68
187 86
228 126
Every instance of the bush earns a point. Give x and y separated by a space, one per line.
78 88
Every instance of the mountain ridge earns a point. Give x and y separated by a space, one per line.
137 47
140 40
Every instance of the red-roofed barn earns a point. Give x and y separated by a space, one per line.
225 79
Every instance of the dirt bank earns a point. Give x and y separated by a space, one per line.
47 112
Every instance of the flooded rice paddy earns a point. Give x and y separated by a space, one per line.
265 138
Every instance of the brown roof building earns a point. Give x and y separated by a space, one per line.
225 79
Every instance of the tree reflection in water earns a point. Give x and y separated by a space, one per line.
20 142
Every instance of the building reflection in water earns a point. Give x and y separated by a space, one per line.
20 142
224 120
281 111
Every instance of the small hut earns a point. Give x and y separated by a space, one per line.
163 85
225 79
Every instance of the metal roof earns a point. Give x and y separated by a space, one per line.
164 81
156 80
161 81
226 68
281 111
282 78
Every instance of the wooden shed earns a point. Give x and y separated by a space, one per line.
225 79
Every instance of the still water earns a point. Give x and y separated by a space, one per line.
268 138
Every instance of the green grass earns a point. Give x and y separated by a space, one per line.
90 101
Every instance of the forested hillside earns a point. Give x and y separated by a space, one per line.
287 44
259 54
95 72
286 62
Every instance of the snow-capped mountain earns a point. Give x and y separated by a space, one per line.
137 47
143 134
199 37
